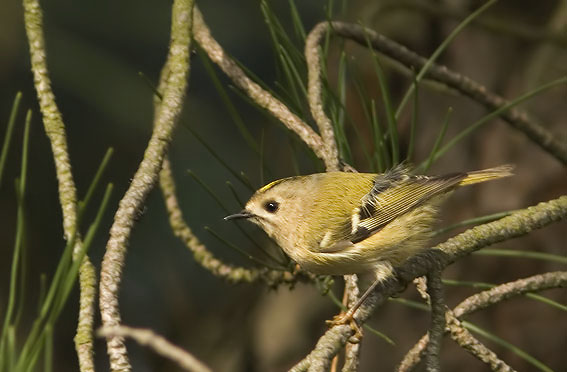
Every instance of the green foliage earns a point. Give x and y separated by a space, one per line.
23 355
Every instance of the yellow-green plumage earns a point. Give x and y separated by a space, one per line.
345 223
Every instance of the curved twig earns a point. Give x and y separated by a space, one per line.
497 25
517 224
145 177
487 298
313 59
458 333
413 356
182 230
468 342
482 300
55 130
158 344
263 98
203 256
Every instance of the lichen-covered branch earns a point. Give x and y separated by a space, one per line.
84 336
158 344
203 256
180 228
263 98
145 177
517 118
413 356
55 130
352 351
468 342
517 224
437 327
481 301
314 86
178 225
523 32
336 337
465 340
52 120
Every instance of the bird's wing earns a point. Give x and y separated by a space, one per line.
380 207
387 201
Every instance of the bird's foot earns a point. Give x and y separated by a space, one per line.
347 318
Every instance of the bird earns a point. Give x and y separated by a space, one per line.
341 223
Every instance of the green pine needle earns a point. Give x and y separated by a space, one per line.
513 348
9 131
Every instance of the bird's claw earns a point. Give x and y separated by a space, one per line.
347 318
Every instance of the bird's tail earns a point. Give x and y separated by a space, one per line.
487 174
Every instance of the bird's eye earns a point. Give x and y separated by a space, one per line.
271 206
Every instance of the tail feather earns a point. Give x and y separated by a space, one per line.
487 174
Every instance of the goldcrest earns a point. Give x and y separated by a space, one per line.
339 223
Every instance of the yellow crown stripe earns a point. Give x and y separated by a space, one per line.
270 185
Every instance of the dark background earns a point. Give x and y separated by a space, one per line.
95 52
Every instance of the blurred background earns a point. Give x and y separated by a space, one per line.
101 56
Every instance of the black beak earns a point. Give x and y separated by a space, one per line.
242 214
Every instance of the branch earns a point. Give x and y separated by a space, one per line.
158 344
414 356
448 323
435 289
55 130
313 59
52 120
203 256
468 342
523 32
263 98
352 351
145 177
518 119
481 301
180 228
517 224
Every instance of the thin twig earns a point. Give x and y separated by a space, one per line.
158 344
314 84
182 230
52 119
487 298
479 301
55 130
413 356
517 224
203 256
145 177
437 328
517 118
178 225
468 342
521 31
352 351
263 98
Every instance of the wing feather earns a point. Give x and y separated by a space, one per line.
393 195
381 208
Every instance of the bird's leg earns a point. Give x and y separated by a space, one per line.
348 317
